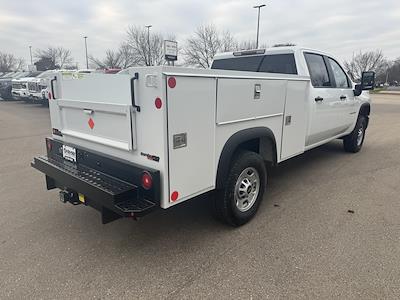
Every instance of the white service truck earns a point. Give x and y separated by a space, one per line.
19 89
23 87
152 137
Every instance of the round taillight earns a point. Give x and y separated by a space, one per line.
174 196
158 103
171 82
147 181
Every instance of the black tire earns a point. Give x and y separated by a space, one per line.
6 96
45 103
9 93
351 142
224 203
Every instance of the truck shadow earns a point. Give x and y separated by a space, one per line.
195 215
310 159
188 227
191 222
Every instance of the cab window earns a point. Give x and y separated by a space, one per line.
318 70
279 63
340 76
273 63
246 63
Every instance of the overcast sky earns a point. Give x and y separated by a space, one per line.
340 27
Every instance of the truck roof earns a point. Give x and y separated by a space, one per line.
267 51
214 73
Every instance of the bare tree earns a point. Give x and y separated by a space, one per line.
207 41
122 58
228 42
390 74
250 45
111 61
64 57
395 72
142 49
367 61
8 62
60 56
96 63
20 64
126 56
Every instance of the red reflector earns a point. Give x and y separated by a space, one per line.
171 82
49 95
174 196
147 181
91 123
158 103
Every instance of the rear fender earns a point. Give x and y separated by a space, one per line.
266 147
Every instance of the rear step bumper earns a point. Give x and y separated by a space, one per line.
113 197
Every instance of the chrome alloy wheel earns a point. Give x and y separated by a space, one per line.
247 189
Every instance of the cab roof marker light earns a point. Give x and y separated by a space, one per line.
249 52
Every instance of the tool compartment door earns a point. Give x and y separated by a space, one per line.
295 119
191 136
97 108
106 124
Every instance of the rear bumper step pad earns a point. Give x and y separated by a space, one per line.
103 192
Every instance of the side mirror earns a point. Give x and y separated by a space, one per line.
368 80
367 83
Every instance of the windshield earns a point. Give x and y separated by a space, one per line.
34 73
20 75
46 74
19 86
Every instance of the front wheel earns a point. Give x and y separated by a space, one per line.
354 141
238 202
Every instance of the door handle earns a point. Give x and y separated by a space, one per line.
88 111
319 99
52 87
343 97
257 91
137 107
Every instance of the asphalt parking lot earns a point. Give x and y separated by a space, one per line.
304 242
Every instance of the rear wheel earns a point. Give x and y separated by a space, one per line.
238 202
354 141
7 94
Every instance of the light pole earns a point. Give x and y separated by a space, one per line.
258 21
87 61
388 65
387 76
30 51
148 41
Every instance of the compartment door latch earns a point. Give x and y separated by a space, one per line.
257 91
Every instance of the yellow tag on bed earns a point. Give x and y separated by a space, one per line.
81 198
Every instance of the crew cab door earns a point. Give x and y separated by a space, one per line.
328 112
343 90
